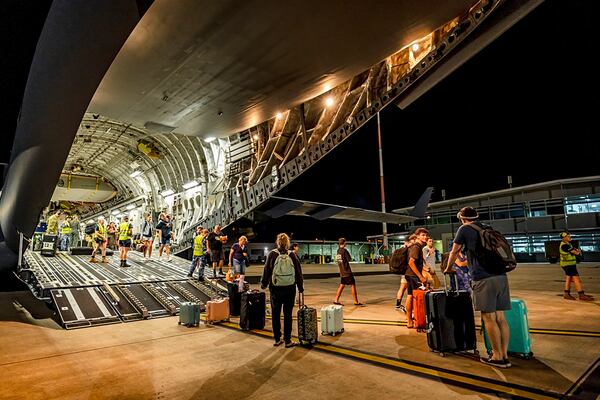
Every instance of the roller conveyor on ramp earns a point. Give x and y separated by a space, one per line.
88 294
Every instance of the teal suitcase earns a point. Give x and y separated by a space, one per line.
189 314
519 343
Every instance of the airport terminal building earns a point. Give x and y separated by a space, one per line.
528 215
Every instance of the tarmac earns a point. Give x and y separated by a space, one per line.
376 356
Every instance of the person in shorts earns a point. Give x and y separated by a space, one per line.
215 249
343 259
237 259
491 293
414 274
165 228
125 233
147 235
568 262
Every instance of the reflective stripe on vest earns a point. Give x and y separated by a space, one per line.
66 228
124 231
198 245
566 258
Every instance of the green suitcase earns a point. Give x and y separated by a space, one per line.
519 343
189 314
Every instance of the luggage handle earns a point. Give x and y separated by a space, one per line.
301 300
454 293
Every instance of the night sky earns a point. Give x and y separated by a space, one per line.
520 92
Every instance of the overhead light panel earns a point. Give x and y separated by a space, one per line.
115 212
209 139
135 173
131 206
167 192
190 184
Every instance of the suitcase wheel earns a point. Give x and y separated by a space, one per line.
442 354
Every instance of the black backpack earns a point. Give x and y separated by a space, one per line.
399 260
493 251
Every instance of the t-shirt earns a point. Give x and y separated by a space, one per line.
467 237
214 242
238 252
415 251
165 229
343 259
429 256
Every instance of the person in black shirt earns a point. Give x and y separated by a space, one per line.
414 277
343 259
215 249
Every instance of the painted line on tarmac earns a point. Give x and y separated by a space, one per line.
470 381
537 331
587 386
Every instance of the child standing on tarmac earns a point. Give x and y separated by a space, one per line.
343 259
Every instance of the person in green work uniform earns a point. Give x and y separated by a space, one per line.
125 233
52 227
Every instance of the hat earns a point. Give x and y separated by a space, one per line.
468 213
563 234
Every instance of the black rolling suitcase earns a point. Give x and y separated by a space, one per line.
252 312
450 320
307 323
235 298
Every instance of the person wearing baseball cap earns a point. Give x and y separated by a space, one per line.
568 262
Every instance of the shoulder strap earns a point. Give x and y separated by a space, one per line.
476 227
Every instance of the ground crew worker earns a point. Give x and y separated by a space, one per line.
568 262
65 234
125 233
100 239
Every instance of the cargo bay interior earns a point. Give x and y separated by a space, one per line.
202 133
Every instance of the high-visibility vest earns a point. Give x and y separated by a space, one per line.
125 231
100 232
66 228
198 246
566 258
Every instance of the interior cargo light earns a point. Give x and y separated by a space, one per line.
209 139
91 221
115 212
131 206
135 173
167 192
329 101
189 184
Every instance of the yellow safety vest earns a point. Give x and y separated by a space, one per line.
566 258
198 245
125 231
66 228
100 232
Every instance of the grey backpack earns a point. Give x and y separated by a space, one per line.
284 273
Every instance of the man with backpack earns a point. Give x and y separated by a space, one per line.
491 294
282 274
343 259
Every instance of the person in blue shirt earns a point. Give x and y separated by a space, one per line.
491 294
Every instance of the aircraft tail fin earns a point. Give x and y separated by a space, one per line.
420 207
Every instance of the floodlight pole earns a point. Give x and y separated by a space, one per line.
385 238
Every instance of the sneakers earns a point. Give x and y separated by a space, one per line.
507 362
189 275
278 343
402 308
585 297
495 363
104 260
92 260
567 296
289 344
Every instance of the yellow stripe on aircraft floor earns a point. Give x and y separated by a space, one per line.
471 382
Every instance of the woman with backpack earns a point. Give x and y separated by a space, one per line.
282 274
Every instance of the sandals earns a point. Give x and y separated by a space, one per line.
359 304
337 303
278 343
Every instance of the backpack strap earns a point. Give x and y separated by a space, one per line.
476 227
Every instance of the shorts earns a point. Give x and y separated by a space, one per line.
125 243
99 241
166 241
348 280
216 256
147 238
570 270
239 267
403 280
412 283
491 294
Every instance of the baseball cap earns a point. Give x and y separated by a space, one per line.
563 234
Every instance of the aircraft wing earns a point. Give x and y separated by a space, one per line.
279 206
